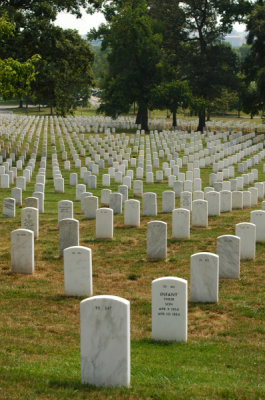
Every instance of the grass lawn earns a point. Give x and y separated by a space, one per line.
224 357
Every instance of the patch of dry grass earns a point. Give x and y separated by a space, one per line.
40 326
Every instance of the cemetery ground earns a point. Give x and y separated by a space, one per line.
224 356
91 110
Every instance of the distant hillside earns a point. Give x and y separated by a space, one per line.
236 39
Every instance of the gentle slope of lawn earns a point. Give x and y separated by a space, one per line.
39 327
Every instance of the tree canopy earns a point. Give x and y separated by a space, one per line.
255 62
64 72
15 77
191 50
133 60
156 53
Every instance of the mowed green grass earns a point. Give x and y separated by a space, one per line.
40 328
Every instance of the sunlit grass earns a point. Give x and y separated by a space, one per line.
39 326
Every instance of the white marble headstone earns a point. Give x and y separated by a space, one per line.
65 209
170 309
213 199
247 233
204 278
104 223
225 201
9 207
68 233
156 240
168 201
22 251
90 204
257 218
78 271
30 220
105 341
132 212
200 213
115 203
149 204
228 250
180 223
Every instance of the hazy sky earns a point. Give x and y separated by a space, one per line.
84 24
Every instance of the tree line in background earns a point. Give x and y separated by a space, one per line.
164 54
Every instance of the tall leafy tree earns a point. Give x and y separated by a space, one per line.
171 95
15 77
133 60
31 18
35 33
255 62
65 72
209 64
192 39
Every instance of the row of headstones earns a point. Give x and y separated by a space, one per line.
60 183
38 196
191 180
201 209
51 119
78 161
106 319
229 248
35 204
21 181
99 164
218 202
104 216
165 139
178 183
156 230
8 173
37 199
84 123
15 137
91 180
249 234
133 161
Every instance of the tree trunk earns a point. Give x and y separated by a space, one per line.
20 103
201 121
142 117
39 107
51 110
174 116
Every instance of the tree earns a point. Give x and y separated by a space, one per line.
31 18
171 96
243 51
65 73
250 100
255 62
133 60
15 77
193 31
34 33
209 64
100 65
